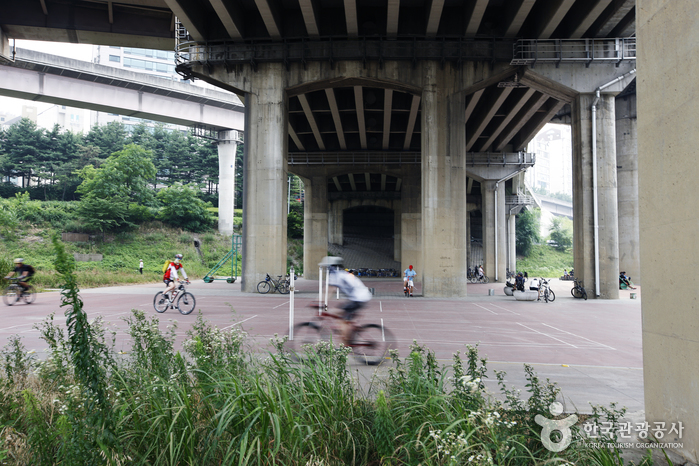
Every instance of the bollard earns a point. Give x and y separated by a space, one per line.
491 292
633 295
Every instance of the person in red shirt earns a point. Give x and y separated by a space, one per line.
170 276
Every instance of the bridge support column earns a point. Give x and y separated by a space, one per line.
411 222
227 148
336 221
627 190
583 220
264 197
494 230
315 225
443 185
669 219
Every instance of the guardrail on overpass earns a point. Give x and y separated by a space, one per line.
587 51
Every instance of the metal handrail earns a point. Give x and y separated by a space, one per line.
532 51
353 158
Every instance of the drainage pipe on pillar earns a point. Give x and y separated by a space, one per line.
497 183
594 173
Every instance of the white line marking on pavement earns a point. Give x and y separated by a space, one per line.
281 305
238 323
591 341
504 309
482 307
546 334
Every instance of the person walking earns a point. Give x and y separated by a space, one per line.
140 266
408 275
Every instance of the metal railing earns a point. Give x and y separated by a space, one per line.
519 200
533 51
353 158
525 159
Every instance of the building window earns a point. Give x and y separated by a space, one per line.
115 58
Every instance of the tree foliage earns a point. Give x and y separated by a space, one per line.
561 233
527 230
183 208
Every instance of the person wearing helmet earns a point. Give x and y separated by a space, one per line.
352 287
408 275
170 276
25 272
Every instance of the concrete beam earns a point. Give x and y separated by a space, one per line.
271 16
310 12
30 85
392 13
359 105
231 16
434 15
351 17
475 17
387 112
412 118
311 120
518 11
552 17
335 112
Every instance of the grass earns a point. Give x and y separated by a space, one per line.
545 261
153 242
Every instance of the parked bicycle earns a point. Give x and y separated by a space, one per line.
269 284
510 274
14 293
477 279
545 291
578 291
369 342
181 299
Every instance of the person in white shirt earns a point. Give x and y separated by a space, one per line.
408 276
352 287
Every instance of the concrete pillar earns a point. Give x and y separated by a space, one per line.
668 112
397 222
583 220
494 230
227 148
627 191
335 221
443 184
315 225
265 190
411 221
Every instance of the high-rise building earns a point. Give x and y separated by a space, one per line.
553 170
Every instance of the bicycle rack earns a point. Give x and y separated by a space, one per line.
236 243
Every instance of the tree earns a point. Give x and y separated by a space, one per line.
103 214
110 138
22 149
183 208
527 230
125 175
561 233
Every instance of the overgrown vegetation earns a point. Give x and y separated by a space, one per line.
527 230
545 261
216 402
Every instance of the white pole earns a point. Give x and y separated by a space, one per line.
327 279
320 290
291 303
288 199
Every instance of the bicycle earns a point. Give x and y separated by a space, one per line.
185 300
483 279
369 342
545 291
14 292
578 291
269 284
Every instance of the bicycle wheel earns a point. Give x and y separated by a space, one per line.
575 293
307 333
473 279
370 344
160 302
186 303
486 279
552 296
583 293
263 287
29 296
10 295
284 288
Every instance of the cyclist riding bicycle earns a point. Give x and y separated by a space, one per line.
408 275
170 276
24 272
352 287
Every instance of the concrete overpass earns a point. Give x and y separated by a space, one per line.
314 72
